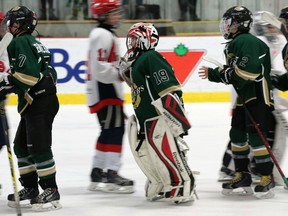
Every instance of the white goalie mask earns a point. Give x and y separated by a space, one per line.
141 37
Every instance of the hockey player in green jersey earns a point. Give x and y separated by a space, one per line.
247 68
156 94
33 79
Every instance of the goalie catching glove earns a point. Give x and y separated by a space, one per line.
6 85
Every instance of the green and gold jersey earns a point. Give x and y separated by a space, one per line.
29 61
152 76
251 75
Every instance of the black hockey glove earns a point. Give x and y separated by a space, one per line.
226 75
275 79
6 85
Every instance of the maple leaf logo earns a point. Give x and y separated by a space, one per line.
183 61
181 50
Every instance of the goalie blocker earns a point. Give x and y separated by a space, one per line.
170 106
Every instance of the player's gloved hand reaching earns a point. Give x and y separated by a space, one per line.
6 85
226 75
276 82
124 70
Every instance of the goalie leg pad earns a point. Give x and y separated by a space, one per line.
169 161
142 157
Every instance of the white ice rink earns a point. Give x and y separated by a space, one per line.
75 132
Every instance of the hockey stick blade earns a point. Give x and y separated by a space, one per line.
213 61
4 43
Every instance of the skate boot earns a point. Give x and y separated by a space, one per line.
239 185
118 184
225 174
25 195
264 190
98 177
48 200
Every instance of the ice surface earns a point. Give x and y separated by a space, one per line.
75 132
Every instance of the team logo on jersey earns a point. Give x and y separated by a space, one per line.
183 61
136 94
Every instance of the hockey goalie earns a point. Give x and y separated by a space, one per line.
157 145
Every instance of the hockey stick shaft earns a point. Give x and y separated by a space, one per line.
262 137
10 157
4 43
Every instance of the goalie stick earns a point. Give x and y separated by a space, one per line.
213 61
4 43
271 19
217 63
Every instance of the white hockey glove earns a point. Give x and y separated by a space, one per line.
125 70
6 85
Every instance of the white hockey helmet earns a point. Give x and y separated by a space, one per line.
262 28
141 37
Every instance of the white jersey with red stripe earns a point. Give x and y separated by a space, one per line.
103 84
4 61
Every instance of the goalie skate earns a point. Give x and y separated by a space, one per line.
239 185
46 201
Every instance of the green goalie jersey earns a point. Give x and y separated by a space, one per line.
152 76
252 66
29 61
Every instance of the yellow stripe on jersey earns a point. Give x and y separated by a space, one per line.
245 75
26 79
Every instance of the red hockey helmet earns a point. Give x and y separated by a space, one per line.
99 8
